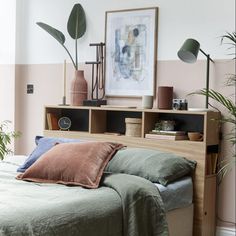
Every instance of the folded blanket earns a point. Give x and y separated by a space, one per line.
143 210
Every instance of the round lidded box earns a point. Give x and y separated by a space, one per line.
133 127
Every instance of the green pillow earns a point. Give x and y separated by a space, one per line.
156 166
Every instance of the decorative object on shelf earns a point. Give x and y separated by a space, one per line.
133 127
79 89
167 125
158 126
131 45
180 104
165 97
195 136
6 138
147 101
76 27
189 52
64 123
98 79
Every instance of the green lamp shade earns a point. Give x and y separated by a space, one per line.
189 51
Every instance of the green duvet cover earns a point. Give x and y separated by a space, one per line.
124 205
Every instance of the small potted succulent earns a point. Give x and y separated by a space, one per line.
76 27
6 139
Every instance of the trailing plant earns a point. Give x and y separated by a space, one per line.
76 27
6 138
229 105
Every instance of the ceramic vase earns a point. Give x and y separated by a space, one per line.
79 89
165 97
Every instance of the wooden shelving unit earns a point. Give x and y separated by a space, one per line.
97 122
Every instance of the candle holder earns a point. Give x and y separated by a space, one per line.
98 88
64 86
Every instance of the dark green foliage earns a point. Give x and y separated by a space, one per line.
229 105
76 25
6 138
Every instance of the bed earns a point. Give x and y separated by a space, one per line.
123 204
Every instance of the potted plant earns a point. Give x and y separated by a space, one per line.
76 27
229 105
6 138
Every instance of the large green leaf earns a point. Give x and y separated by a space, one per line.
76 25
58 35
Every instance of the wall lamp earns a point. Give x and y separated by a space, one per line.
188 53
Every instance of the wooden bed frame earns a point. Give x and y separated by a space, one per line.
204 184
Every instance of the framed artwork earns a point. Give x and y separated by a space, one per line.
130 58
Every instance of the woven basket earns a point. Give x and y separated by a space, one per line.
133 127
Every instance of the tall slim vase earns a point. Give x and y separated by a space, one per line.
79 89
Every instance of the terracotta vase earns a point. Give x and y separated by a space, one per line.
79 89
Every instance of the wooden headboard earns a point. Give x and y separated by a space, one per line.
204 183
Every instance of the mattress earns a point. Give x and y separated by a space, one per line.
177 194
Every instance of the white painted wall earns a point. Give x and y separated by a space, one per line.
204 20
7 59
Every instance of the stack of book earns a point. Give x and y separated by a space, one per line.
167 135
52 121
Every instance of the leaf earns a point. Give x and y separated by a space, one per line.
76 25
58 35
227 103
6 138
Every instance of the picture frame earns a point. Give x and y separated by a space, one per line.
131 49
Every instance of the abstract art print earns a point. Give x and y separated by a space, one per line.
131 45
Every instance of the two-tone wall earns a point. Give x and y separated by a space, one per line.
39 60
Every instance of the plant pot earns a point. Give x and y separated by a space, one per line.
79 89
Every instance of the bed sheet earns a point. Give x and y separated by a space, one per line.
116 208
177 194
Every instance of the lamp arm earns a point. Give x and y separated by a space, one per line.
207 75
207 80
207 55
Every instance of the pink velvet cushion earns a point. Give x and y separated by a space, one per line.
72 164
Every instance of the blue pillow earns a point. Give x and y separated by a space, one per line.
43 145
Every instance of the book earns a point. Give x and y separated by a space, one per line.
212 159
49 122
166 137
52 121
166 132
